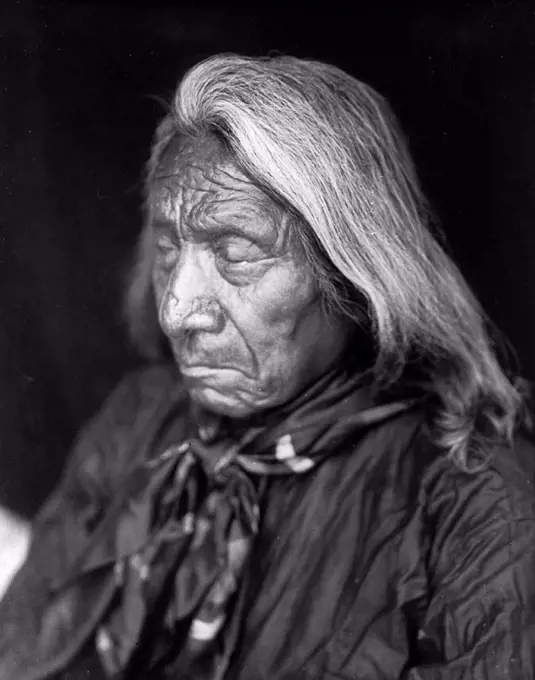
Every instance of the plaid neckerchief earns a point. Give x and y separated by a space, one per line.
185 539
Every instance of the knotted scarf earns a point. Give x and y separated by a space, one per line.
184 541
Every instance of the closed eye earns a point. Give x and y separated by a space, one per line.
166 251
238 250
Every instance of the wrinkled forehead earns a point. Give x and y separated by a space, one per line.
198 176
182 155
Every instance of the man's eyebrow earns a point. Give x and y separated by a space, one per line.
162 223
213 230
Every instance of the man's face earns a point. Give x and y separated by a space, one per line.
237 301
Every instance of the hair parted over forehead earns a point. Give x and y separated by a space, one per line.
329 149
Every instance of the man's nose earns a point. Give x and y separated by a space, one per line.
188 303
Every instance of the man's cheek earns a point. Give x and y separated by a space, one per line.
158 296
159 285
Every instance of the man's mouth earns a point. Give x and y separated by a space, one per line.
205 366
206 369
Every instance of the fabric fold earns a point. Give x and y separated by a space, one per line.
178 543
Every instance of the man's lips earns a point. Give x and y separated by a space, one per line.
199 365
191 358
200 369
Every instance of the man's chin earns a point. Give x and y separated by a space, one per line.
221 402
225 391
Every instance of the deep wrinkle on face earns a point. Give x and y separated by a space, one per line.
236 299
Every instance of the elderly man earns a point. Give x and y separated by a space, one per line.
321 475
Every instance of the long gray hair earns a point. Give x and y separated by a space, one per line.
329 149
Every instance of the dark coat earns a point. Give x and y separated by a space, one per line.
385 562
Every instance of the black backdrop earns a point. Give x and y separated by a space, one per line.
77 86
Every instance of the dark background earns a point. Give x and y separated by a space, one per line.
77 84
